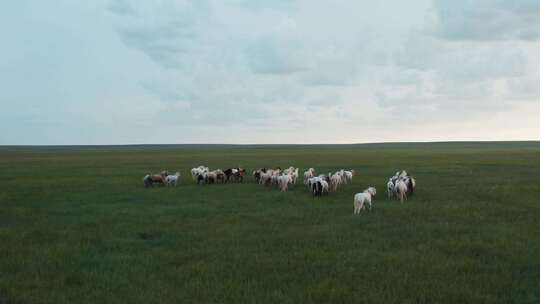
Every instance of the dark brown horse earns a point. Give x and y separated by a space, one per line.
228 173
151 180
239 175
220 177
257 174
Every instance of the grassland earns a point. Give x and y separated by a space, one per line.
76 226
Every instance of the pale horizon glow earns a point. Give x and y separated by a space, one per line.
114 72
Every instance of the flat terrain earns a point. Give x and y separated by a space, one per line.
77 226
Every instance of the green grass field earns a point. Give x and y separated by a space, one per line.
77 226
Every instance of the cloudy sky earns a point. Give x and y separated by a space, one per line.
281 71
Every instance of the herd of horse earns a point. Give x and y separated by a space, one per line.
201 174
399 186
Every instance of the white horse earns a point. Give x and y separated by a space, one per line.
348 176
308 174
401 190
361 199
284 181
200 170
390 188
294 176
325 187
172 180
265 177
335 181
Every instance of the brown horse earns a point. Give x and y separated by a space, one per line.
220 177
151 180
239 175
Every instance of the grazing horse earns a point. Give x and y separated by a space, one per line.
316 187
326 178
151 180
195 172
220 176
228 173
284 181
401 185
401 190
390 189
239 175
236 173
335 181
201 178
172 180
210 178
257 175
266 178
308 175
411 184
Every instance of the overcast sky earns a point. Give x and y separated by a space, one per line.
282 71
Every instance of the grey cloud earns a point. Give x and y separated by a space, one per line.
261 4
524 88
485 20
219 64
166 55
448 76
446 97
165 32
418 52
236 63
201 70
122 8
164 44
267 55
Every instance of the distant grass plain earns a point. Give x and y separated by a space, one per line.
77 226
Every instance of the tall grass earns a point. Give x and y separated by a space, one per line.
76 226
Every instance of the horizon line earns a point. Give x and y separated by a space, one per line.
273 144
